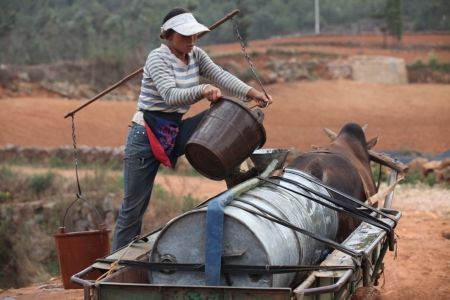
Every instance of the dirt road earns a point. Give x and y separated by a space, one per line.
414 116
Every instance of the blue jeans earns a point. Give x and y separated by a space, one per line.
139 171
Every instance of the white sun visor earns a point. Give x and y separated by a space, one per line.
184 24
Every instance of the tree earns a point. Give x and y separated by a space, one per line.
394 21
7 17
243 20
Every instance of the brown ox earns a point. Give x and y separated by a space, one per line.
344 165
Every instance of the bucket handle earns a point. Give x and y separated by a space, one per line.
255 110
100 225
257 106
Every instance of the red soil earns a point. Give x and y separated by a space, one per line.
413 116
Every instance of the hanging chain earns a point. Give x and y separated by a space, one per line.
78 194
75 155
247 57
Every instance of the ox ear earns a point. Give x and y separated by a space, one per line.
370 144
330 133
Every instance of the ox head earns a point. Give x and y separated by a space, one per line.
353 129
351 140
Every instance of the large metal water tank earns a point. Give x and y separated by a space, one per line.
249 239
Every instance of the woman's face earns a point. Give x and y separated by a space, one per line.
181 43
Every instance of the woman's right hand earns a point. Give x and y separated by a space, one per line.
212 93
262 100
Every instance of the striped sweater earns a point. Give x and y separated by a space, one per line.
169 85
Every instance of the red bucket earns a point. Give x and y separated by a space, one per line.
78 250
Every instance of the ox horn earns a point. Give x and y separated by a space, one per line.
330 133
370 144
364 127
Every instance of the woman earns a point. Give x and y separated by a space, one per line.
158 134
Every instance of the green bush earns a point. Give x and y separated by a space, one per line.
7 266
10 183
433 61
417 65
431 179
41 182
6 173
412 177
5 196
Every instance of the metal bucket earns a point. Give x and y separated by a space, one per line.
225 137
249 239
78 250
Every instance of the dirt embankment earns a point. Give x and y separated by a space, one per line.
292 58
414 47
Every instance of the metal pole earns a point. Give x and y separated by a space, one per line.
139 71
317 15
390 197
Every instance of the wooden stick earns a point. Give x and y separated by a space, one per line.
139 71
104 92
382 194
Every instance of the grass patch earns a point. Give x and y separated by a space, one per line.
102 180
246 75
164 206
189 202
21 187
60 158
377 171
57 162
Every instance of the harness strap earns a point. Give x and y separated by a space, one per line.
271 217
329 188
365 217
214 237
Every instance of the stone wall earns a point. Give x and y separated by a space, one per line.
375 69
63 154
379 69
